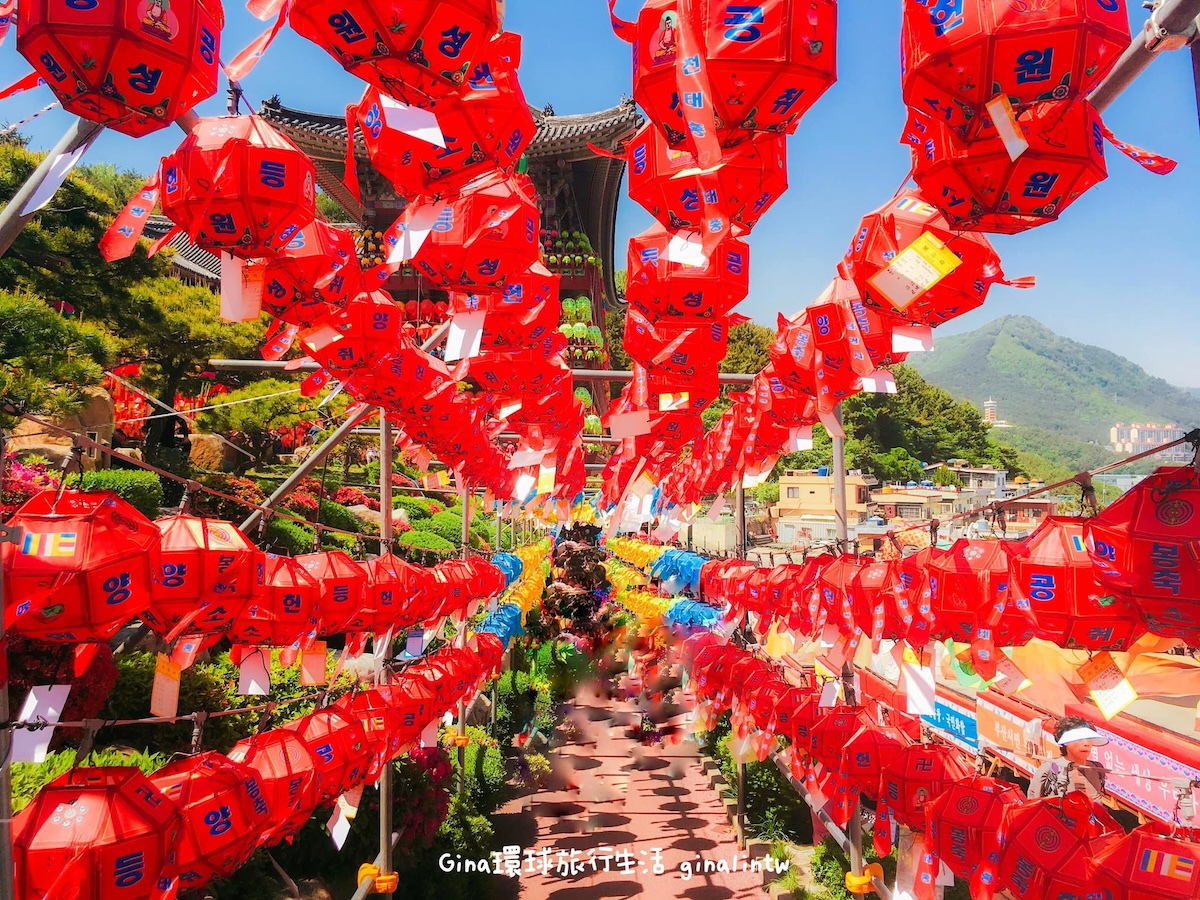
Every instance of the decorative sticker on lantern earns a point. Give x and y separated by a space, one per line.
1107 684
158 20
664 41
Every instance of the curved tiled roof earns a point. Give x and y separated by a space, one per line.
188 256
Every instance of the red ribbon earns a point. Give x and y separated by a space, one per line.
30 81
243 64
122 236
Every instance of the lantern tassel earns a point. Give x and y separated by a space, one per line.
123 234
243 64
626 31
691 74
1151 162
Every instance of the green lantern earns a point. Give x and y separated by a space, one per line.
579 331
568 310
584 306
595 335
583 395
552 260
565 330
592 425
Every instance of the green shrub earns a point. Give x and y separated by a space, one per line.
287 537
337 516
829 867
466 831
29 778
485 768
334 540
423 547
416 508
539 769
141 490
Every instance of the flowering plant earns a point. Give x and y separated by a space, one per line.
22 481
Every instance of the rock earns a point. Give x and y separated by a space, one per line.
209 452
94 419
368 515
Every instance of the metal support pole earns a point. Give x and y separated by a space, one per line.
11 221
740 537
462 705
7 882
1173 19
854 830
357 415
367 886
385 543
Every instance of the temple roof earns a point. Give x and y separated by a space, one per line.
188 256
559 136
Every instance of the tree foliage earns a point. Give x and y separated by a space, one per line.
749 349
271 404
46 358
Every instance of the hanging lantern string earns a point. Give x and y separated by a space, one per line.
1083 479
83 441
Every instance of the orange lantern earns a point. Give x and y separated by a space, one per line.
132 65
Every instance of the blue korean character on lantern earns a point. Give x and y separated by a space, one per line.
1039 185
741 23
693 99
481 78
710 195
455 40
346 27
639 159
1034 66
785 101
690 199
488 267
222 223
449 149
53 69
144 79
691 65
445 220
693 299
944 15
650 256
272 173
373 121
697 129
208 46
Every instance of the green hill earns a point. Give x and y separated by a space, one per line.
1059 391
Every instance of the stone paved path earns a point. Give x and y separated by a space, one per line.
615 795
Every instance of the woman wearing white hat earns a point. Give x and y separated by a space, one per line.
1074 771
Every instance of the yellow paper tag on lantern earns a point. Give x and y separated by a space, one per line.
1107 684
672 402
164 696
916 269
779 644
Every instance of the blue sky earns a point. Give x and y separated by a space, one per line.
1118 270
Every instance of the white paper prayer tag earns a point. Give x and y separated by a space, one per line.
254 676
412 120
829 420
1007 126
1010 678
44 703
237 304
879 382
1107 684
686 251
915 269
414 234
829 635
56 177
912 339
919 688
829 695
466 332
509 408
523 458
714 511
631 424
525 483
800 439
414 646
312 664
339 826
751 481
164 695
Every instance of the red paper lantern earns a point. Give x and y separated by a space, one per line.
916 776
973 601
1045 848
836 587
661 286
342 583
85 566
416 703
833 731
767 64
1070 607
357 337
1146 546
879 602
237 185
483 237
394 592
892 228
209 570
98 834
378 716
914 576
485 125
224 813
133 66
677 346
795 713
286 773
338 747
313 275
961 823
286 613
682 196
1149 865
415 50
957 56
867 752
979 187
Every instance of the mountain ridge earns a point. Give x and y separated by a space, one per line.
1043 380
